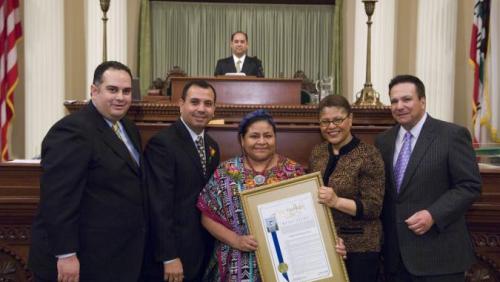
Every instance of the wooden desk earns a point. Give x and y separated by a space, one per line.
246 90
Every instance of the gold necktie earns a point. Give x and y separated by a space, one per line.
116 129
238 66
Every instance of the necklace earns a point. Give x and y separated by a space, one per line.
259 177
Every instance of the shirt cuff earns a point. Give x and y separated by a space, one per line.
65 255
168 261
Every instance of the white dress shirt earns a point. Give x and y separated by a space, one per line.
415 132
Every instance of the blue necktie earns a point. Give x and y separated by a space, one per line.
402 161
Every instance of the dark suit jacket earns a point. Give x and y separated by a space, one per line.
175 179
442 176
91 200
251 66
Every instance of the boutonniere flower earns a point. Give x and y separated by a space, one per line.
211 153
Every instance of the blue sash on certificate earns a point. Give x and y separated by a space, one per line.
272 227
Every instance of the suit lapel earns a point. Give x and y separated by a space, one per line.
426 137
188 146
212 154
111 140
134 138
391 146
231 65
246 65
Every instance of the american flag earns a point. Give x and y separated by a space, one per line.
478 52
10 33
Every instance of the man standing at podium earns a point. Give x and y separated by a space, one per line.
432 178
239 62
91 221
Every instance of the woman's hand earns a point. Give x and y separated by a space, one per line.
340 248
327 196
245 243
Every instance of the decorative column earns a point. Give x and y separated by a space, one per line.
435 66
116 34
44 67
382 47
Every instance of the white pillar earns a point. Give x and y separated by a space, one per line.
436 42
382 47
44 67
116 34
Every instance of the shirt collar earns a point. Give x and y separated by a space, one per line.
346 148
193 134
110 123
415 130
242 59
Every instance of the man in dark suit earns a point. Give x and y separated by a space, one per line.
179 161
239 62
91 222
432 178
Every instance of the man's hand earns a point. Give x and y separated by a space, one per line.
420 222
245 243
327 196
68 269
172 271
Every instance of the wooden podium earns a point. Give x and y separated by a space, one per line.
246 89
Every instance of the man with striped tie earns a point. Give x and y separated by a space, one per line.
91 221
432 178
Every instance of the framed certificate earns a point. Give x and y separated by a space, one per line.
296 234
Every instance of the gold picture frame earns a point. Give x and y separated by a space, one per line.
296 234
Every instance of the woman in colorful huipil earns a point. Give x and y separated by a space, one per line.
234 258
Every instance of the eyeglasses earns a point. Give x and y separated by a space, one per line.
337 121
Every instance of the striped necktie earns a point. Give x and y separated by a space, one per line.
116 129
402 161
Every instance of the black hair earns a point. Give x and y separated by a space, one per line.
419 85
335 101
200 83
104 66
253 117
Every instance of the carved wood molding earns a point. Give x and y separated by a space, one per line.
12 267
232 113
484 270
15 233
485 239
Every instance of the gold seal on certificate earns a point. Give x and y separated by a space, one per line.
283 267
